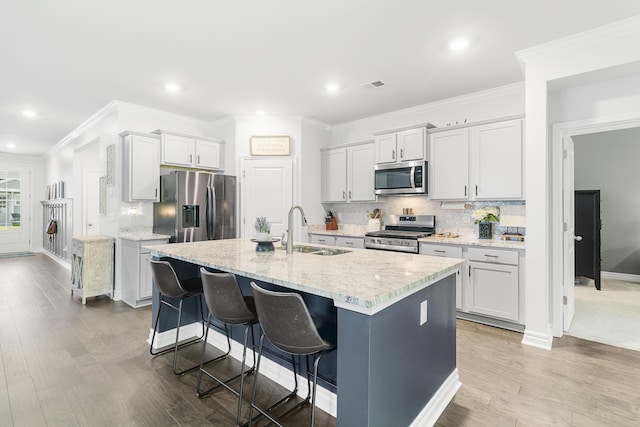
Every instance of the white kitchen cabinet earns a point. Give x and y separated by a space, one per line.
322 239
342 241
496 153
350 242
190 151
493 288
348 173
482 162
141 167
449 165
91 266
137 279
448 251
401 146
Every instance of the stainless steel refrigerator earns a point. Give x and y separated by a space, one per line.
196 206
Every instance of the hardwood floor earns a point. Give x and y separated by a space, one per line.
64 364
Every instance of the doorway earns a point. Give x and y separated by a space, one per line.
595 311
15 208
266 189
91 199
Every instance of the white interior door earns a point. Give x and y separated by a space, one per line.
266 190
15 208
91 197
568 203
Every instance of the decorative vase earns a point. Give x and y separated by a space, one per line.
262 236
485 230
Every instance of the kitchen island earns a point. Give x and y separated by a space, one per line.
395 318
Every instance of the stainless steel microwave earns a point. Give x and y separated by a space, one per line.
401 178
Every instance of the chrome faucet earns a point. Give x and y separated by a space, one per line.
290 228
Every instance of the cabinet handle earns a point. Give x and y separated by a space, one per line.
344 195
156 192
348 243
198 158
321 240
465 191
439 252
190 158
393 154
349 193
401 153
476 190
469 271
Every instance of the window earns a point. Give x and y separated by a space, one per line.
9 199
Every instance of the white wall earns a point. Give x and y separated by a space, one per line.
314 136
598 49
489 104
37 191
608 161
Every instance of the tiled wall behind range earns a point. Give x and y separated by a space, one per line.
452 217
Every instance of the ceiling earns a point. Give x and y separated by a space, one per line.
67 59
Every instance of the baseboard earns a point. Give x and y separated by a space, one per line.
635 278
57 259
438 403
325 400
536 339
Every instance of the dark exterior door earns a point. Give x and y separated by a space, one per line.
587 232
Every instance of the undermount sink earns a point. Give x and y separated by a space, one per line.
317 250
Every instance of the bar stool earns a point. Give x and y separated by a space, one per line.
226 303
169 286
286 322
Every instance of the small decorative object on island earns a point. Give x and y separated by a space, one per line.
263 235
263 230
485 217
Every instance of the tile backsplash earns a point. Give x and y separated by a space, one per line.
452 217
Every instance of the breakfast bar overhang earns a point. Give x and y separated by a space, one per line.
396 333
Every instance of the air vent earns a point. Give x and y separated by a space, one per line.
373 85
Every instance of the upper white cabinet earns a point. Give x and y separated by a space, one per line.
141 167
496 153
348 173
190 151
401 146
449 165
481 162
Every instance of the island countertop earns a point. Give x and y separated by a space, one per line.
361 280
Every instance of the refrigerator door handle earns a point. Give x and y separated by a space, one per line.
211 212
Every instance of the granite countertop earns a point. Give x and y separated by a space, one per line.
474 241
91 238
362 280
142 235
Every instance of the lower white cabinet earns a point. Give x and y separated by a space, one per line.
493 287
137 280
342 241
449 252
91 266
492 281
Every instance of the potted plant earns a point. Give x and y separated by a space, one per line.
263 229
485 218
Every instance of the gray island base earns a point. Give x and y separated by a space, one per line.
393 317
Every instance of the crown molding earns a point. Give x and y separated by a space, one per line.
510 89
135 108
111 107
579 40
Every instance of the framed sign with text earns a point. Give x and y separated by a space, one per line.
270 145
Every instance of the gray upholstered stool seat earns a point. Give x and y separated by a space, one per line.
170 287
287 323
226 302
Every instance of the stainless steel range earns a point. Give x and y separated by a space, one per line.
401 233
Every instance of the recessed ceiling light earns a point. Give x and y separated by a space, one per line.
172 87
459 44
259 113
29 113
332 87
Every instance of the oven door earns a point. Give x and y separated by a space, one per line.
401 178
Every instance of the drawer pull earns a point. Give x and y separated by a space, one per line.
439 252
348 243
492 256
